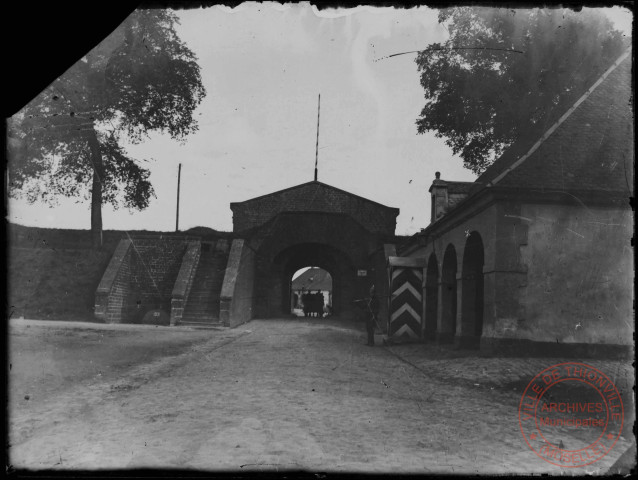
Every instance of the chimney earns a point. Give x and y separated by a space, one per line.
438 195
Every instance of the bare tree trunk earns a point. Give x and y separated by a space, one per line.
96 191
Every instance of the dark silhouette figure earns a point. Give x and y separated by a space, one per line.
305 298
371 317
319 304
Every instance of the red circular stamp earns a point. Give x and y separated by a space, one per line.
571 415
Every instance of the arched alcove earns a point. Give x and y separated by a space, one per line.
431 297
448 294
333 261
472 294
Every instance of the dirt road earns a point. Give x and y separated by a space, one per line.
269 395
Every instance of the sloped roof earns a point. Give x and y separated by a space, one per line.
313 279
459 187
314 197
308 186
589 150
590 147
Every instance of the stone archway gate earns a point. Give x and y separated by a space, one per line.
314 224
244 274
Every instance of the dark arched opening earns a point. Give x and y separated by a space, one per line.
472 301
431 297
448 295
311 294
333 261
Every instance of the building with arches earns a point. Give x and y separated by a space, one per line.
536 253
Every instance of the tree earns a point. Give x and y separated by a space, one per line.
504 73
67 141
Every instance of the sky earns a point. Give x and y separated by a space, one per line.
263 66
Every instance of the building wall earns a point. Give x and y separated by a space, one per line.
454 198
184 281
552 273
119 300
580 278
236 298
112 296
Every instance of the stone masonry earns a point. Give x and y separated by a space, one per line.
140 277
314 197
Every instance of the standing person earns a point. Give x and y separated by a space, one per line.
313 305
371 317
320 304
309 301
305 298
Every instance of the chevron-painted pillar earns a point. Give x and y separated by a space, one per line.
406 306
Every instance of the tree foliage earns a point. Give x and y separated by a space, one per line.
503 73
67 141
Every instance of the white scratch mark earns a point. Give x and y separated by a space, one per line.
576 233
518 216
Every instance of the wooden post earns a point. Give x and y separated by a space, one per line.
179 175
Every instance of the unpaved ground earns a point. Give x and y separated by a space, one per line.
269 395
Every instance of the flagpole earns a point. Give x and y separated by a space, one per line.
317 145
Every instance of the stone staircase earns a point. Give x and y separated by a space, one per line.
202 305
